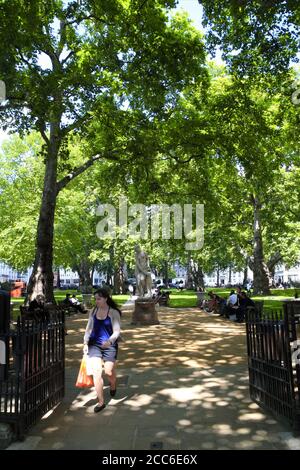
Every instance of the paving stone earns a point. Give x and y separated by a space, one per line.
178 395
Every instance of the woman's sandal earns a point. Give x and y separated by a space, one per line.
99 408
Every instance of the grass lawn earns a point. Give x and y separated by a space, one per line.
188 298
185 298
271 302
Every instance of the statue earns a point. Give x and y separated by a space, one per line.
144 307
142 273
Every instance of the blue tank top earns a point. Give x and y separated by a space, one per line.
102 330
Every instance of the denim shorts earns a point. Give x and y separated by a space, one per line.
108 354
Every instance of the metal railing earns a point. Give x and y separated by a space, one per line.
274 375
35 368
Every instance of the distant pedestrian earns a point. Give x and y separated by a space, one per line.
131 290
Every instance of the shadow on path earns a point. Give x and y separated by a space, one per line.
182 384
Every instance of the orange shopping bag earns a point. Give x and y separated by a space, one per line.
84 380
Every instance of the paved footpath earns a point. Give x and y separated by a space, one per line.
182 385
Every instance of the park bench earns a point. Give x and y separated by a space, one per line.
67 309
163 299
36 314
47 312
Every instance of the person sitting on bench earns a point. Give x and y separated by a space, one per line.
76 304
245 302
232 304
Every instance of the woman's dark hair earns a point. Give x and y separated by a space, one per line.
103 292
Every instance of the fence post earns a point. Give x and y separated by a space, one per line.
4 329
292 319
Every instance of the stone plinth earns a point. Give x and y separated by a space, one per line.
144 312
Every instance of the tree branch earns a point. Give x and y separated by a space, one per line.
249 259
41 128
80 120
88 17
77 171
68 56
50 52
62 39
178 160
29 65
274 260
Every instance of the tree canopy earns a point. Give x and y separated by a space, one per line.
117 99
259 36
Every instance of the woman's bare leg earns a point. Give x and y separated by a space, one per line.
110 371
98 381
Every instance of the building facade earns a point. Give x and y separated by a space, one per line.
71 278
67 276
282 274
9 274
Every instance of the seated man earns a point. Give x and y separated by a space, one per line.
67 300
76 304
245 302
221 305
232 304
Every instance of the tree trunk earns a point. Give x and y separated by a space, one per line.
189 277
273 261
245 274
201 278
57 279
271 276
260 269
230 275
85 278
118 279
125 277
218 276
166 274
41 279
198 276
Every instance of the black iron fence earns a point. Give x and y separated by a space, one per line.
33 381
273 343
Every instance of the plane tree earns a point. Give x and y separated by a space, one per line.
69 64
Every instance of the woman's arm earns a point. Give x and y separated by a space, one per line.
89 328
116 325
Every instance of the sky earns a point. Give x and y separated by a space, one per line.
194 11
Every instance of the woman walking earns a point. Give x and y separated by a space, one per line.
101 343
